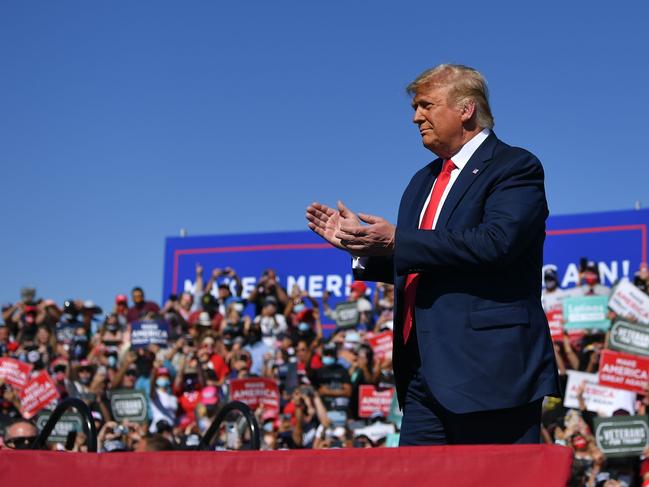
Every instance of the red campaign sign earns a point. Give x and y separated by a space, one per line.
15 372
371 400
555 321
624 371
381 344
37 394
255 392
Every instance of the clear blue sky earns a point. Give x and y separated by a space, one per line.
122 122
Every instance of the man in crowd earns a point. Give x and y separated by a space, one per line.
141 308
465 257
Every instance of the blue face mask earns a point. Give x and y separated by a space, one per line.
112 361
328 360
303 326
162 382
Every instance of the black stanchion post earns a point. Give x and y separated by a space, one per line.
88 423
212 431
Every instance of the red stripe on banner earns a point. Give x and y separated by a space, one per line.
616 228
457 466
241 248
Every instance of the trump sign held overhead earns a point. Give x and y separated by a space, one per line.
151 332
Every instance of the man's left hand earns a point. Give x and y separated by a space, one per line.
374 239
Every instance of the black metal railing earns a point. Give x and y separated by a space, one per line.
88 424
253 427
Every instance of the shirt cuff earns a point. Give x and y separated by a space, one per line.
359 262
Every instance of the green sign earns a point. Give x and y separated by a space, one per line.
68 422
622 436
588 312
129 404
392 440
346 315
395 415
629 338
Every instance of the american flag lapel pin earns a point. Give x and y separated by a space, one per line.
475 171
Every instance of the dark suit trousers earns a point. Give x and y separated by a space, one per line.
427 422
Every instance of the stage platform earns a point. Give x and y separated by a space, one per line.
456 466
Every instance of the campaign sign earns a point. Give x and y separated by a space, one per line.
622 436
392 440
381 345
555 322
629 301
347 315
629 338
149 332
38 393
14 372
371 400
586 312
624 371
129 404
68 422
598 398
255 392
64 331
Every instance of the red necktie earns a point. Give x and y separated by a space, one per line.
426 224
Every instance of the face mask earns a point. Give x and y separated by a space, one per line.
112 361
328 360
85 380
298 307
303 326
550 285
60 376
591 280
162 382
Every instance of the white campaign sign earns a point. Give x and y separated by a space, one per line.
628 300
599 399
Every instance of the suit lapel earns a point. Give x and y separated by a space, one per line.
422 192
468 175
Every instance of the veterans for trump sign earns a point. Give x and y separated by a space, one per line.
598 398
371 401
151 332
629 338
586 312
624 371
621 436
38 393
629 301
255 392
14 372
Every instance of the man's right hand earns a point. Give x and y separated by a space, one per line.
326 221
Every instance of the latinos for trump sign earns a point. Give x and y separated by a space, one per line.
38 393
256 392
586 312
598 398
371 400
624 371
149 333
621 436
14 372
629 338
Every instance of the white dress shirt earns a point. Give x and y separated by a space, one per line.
459 159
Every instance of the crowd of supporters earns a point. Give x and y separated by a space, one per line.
215 336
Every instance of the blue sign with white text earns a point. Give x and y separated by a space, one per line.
617 241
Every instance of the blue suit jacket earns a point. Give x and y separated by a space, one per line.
483 337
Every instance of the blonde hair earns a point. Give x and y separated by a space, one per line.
463 83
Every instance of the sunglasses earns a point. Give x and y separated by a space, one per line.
131 373
20 442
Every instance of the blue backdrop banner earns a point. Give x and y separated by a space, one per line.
617 241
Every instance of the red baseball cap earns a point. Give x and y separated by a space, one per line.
121 298
358 286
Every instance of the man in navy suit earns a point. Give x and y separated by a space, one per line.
472 354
